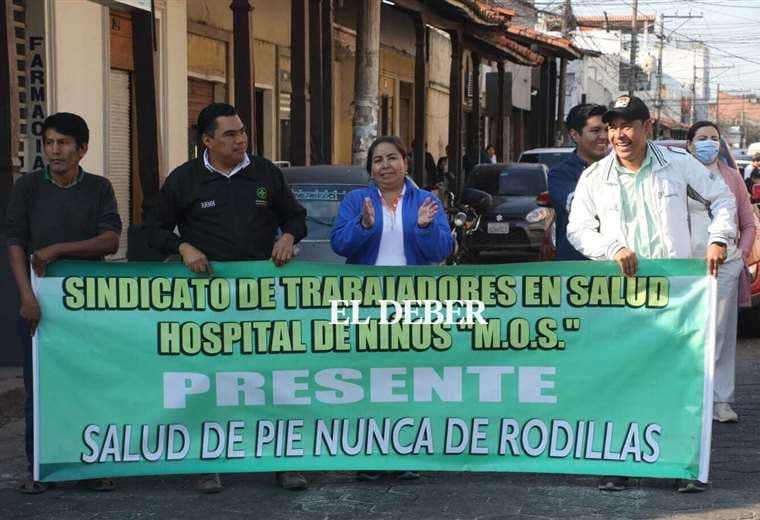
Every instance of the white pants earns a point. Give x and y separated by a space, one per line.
725 332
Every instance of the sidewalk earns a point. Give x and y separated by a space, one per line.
734 491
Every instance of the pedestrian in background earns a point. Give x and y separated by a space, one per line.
754 166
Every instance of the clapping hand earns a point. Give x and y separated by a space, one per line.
368 214
426 213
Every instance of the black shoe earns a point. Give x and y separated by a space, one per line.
291 480
406 475
612 483
209 483
369 475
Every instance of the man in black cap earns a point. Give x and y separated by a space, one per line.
633 203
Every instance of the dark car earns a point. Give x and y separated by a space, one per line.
518 225
321 189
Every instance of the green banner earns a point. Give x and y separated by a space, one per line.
559 367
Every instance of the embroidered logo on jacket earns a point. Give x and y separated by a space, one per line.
208 204
261 196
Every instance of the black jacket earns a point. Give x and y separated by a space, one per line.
227 218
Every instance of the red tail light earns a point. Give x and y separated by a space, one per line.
756 193
543 199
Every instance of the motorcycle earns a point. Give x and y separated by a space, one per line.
464 220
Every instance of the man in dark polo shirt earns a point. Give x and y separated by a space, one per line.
227 206
58 212
589 133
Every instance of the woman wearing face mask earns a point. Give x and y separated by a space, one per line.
733 279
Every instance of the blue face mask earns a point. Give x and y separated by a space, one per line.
706 151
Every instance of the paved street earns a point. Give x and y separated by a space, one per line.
734 491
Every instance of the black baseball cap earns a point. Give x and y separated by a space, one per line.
629 108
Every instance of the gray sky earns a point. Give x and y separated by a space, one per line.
730 28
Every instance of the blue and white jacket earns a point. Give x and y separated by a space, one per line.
422 246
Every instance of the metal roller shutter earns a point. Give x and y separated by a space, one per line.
120 152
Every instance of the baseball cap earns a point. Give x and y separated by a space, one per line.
629 108
756 157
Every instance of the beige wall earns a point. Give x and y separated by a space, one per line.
173 91
80 71
78 78
343 95
439 72
271 29
271 18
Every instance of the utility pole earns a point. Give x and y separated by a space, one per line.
634 36
693 115
658 94
717 105
367 79
744 131
662 39
567 14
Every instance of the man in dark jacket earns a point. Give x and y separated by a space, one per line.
588 132
227 206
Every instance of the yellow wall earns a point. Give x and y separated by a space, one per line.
271 28
79 74
271 18
173 91
343 95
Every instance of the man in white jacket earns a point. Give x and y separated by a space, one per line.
633 203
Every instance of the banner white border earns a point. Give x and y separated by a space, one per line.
707 397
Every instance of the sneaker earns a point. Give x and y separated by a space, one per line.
722 412
690 486
407 475
612 483
209 483
292 480
369 475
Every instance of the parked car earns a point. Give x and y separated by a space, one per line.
749 321
321 189
742 161
519 223
547 156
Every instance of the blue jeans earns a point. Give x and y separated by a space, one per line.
25 339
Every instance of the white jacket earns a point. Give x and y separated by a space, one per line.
595 226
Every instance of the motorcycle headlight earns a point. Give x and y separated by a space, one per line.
460 219
537 215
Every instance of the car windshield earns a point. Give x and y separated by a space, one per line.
321 202
547 158
515 181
